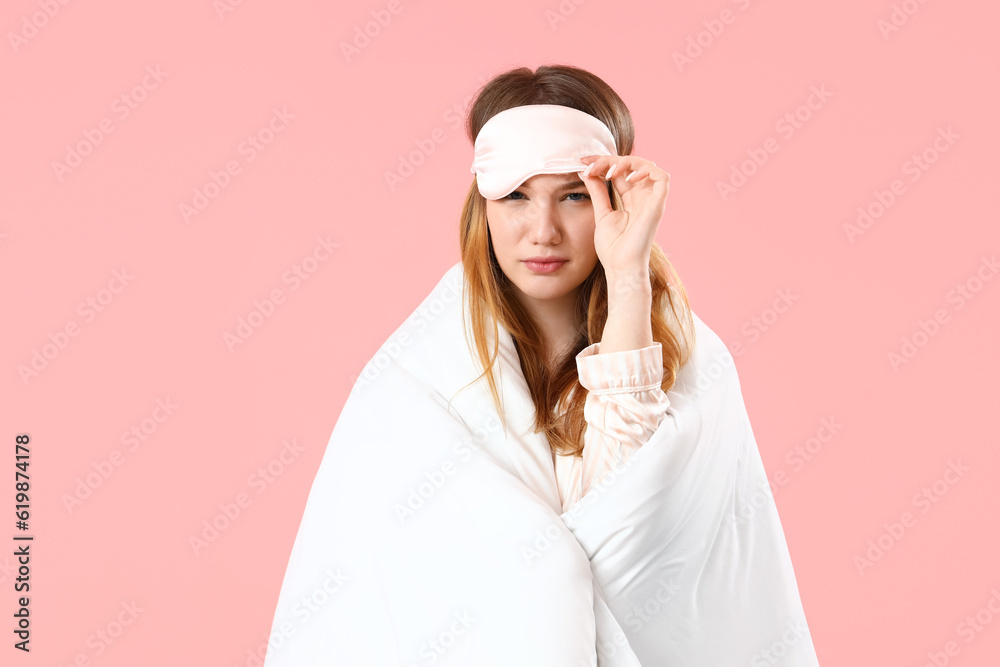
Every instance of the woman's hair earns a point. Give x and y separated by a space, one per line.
558 396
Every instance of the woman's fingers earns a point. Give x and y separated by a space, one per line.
618 169
637 175
594 182
606 167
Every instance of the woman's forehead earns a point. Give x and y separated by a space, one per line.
550 181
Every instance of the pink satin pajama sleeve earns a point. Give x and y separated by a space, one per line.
624 406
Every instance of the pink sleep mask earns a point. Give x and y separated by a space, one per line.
519 142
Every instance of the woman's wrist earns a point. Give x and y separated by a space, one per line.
628 326
626 285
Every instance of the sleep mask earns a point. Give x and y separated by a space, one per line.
519 142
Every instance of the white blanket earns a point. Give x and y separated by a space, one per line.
432 538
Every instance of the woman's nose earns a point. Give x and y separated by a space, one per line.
543 222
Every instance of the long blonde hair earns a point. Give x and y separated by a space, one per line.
558 396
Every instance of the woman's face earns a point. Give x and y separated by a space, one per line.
548 215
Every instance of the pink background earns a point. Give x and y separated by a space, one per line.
161 335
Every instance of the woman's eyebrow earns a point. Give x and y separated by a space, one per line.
569 185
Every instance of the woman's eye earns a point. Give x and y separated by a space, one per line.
518 196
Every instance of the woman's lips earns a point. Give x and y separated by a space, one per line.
544 267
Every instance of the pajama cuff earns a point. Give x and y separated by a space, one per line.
622 371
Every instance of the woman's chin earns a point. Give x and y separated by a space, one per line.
537 289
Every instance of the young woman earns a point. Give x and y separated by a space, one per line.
549 462
582 319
